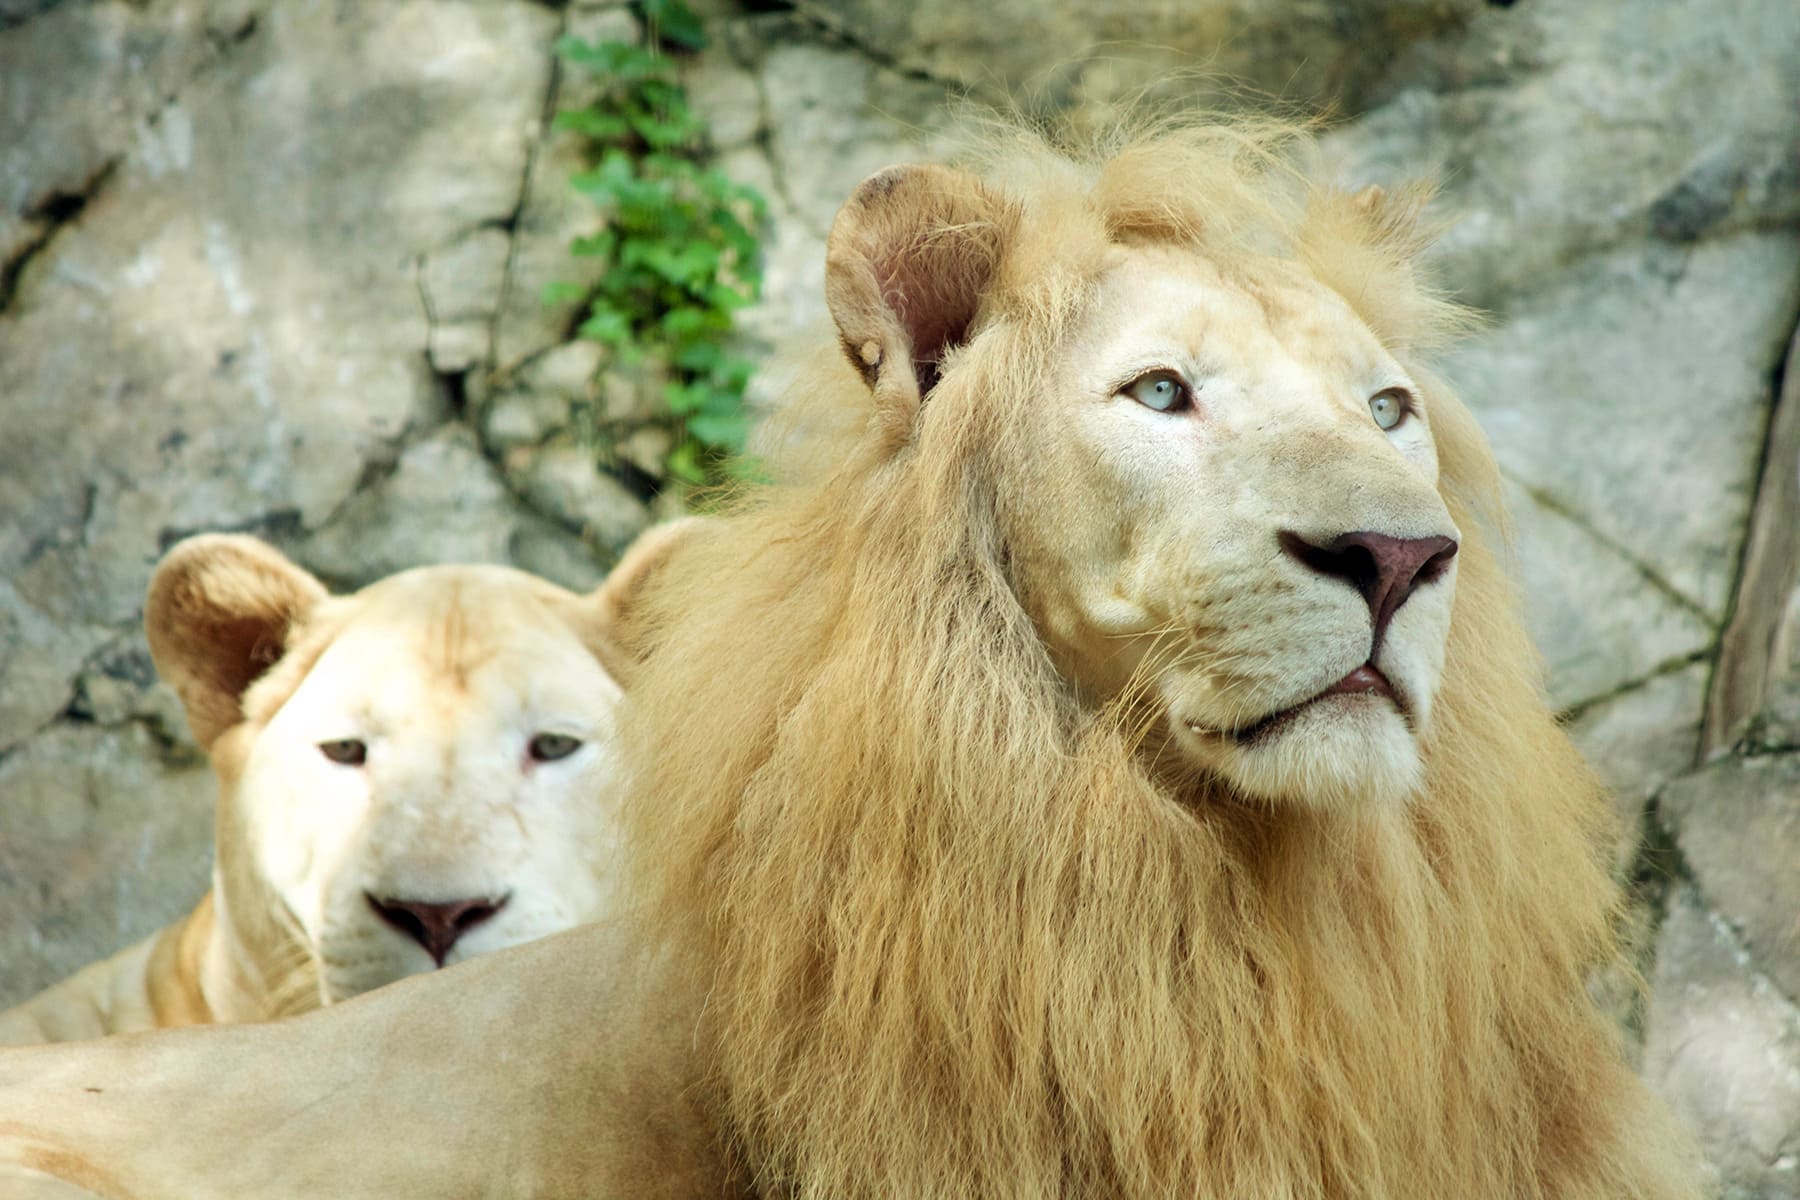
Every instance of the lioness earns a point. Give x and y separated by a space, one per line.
408 776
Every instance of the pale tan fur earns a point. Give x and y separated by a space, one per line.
551 1070
944 911
960 936
437 666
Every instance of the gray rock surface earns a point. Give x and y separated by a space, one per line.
1736 823
280 269
1600 622
1560 127
444 503
101 842
1095 55
1723 1047
78 85
1641 738
1632 391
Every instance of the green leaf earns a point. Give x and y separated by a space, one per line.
683 398
734 373
601 126
702 358
726 298
617 63
675 22
606 182
726 431
681 248
688 322
700 259
575 49
721 402
666 130
684 463
606 325
599 245
562 292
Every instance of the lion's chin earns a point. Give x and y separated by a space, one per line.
1334 750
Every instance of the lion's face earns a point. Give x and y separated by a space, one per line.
1227 511
428 791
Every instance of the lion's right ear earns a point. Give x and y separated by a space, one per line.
616 626
218 614
911 255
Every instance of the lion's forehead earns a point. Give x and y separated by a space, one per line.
1243 316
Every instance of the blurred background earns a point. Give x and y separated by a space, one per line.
318 272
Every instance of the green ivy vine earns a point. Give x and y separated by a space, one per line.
680 252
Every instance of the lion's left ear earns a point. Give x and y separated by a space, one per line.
1367 245
911 255
614 624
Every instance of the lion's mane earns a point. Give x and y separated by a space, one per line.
955 938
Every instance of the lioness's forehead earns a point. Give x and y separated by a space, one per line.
455 620
450 624
444 632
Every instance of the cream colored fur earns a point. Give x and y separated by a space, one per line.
446 674
958 880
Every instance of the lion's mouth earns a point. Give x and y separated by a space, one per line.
1366 680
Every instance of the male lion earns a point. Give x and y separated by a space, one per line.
1131 779
408 776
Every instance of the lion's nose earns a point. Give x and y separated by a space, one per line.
1386 570
434 924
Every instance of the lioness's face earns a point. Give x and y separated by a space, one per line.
1229 511
430 790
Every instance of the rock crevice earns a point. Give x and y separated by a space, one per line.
41 223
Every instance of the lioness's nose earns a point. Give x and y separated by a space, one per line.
1385 569
434 924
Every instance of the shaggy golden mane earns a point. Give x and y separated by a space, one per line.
957 936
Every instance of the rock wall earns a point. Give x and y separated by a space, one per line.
277 268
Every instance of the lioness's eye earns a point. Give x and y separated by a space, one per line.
348 752
1389 408
548 747
1163 391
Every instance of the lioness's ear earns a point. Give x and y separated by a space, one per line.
217 615
911 255
616 629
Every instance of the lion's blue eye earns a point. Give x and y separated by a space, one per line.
1162 391
1389 408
